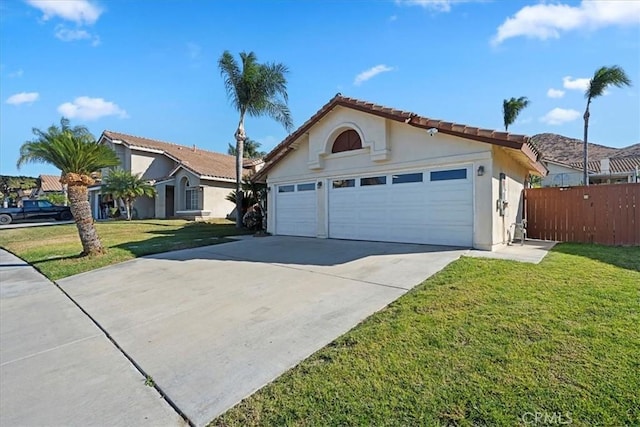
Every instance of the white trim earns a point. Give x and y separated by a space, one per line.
347 153
165 181
434 162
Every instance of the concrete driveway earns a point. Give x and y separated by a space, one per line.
212 325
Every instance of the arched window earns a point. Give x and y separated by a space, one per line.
347 141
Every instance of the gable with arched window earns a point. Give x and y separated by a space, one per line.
347 141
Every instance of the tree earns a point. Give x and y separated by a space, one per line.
128 187
255 90
251 149
250 191
76 153
603 78
511 108
10 185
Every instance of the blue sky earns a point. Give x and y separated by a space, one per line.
149 68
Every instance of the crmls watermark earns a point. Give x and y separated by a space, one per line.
547 418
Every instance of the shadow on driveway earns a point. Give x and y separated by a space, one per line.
301 251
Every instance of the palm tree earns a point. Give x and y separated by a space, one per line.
128 187
76 153
511 108
251 149
601 80
257 90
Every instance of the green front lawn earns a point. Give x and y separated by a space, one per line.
54 249
484 342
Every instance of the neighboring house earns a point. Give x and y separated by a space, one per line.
190 182
49 184
615 170
361 171
562 174
563 157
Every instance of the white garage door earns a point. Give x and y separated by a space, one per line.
296 209
432 206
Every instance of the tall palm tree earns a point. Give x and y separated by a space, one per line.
76 153
511 108
603 78
128 187
256 90
251 149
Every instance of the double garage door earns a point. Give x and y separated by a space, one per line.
432 206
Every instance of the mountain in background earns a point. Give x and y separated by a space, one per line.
569 150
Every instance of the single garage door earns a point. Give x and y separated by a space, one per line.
296 209
433 206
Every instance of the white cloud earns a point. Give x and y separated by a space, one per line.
16 74
87 108
23 98
370 73
548 20
555 93
79 11
435 5
67 35
569 82
558 116
393 18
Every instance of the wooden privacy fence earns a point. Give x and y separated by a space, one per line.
604 214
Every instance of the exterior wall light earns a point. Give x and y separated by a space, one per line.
480 170
319 186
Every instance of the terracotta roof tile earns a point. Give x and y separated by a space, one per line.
50 183
616 165
197 160
505 139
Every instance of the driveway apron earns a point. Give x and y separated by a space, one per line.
212 325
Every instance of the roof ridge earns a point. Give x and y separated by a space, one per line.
411 114
168 143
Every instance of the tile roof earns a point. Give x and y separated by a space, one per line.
616 165
567 150
50 183
199 161
505 139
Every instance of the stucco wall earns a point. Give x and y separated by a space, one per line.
214 198
515 180
145 207
150 165
387 146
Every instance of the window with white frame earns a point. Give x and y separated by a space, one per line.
191 199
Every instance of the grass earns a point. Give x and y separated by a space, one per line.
484 342
54 250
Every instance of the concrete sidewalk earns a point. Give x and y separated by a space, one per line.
57 368
533 251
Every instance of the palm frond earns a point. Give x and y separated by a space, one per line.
511 109
68 149
605 77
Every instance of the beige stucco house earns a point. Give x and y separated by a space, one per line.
562 175
190 182
360 171
614 170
